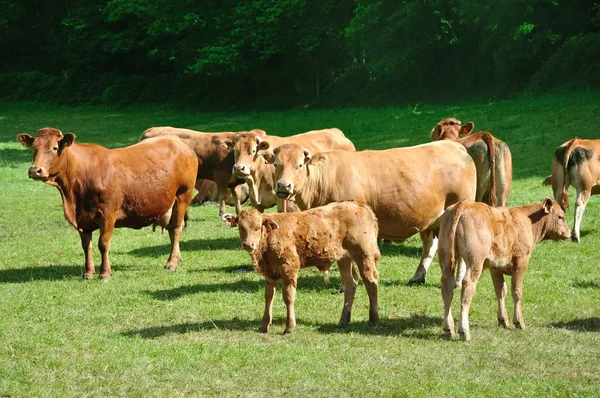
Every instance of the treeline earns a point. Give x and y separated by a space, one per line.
291 52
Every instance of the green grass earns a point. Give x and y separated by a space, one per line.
148 332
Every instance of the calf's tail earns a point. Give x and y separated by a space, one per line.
458 210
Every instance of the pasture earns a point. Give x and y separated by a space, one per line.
148 332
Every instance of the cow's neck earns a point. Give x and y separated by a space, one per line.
314 192
538 225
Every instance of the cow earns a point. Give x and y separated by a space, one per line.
407 188
149 183
582 158
252 152
499 238
214 160
207 191
281 244
492 159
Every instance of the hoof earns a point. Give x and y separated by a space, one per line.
263 329
575 239
520 325
373 319
170 267
449 333
504 323
416 282
288 331
87 276
104 277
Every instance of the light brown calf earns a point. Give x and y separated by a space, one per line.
491 156
499 238
407 188
582 158
150 183
281 244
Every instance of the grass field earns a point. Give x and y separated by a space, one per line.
148 332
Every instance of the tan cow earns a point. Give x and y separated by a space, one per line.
214 160
281 244
582 158
407 188
491 156
252 150
499 238
102 188
207 191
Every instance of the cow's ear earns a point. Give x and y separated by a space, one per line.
270 224
548 203
436 132
227 144
25 139
318 160
466 129
307 155
263 145
548 180
67 140
230 220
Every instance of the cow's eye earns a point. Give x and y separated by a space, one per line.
561 217
300 166
55 149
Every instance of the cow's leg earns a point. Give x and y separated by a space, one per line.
580 203
106 231
289 297
430 244
350 281
176 224
517 291
236 200
447 294
267 318
86 245
500 289
370 276
468 290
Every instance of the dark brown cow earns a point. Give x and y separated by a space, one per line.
214 160
252 151
281 244
491 156
407 188
207 191
151 182
499 238
582 158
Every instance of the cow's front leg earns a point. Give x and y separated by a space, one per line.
517 291
267 318
430 245
289 297
106 232
86 245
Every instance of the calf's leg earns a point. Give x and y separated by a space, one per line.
448 285
517 291
86 245
468 290
267 319
500 289
350 283
370 277
289 297
430 244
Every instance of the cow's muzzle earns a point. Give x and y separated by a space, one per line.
38 173
241 171
248 246
284 189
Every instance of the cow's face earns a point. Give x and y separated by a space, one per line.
556 226
451 129
250 224
291 169
48 148
247 153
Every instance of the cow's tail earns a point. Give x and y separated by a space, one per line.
491 194
564 201
458 210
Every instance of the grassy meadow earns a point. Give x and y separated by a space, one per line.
193 332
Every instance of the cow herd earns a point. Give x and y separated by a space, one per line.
334 203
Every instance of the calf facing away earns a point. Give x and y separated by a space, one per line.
281 244
501 239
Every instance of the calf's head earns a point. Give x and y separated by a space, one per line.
250 224
552 221
48 148
451 129
292 168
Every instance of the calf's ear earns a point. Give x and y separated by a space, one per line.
548 205
466 129
67 140
25 139
270 224
229 219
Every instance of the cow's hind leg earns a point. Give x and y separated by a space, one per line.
580 203
430 244
86 245
350 281
176 224
500 288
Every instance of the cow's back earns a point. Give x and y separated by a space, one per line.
322 140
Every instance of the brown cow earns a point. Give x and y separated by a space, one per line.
214 160
207 191
105 188
252 151
407 188
497 238
582 158
491 156
281 244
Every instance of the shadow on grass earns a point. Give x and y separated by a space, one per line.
228 269
587 284
47 273
13 157
393 249
580 325
189 245
183 328
415 326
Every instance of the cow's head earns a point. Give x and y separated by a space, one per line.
48 148
246 147
451 129
292 167
250 224
553 221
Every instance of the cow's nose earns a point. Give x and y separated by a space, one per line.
240 169
35 172
283 185
247 246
